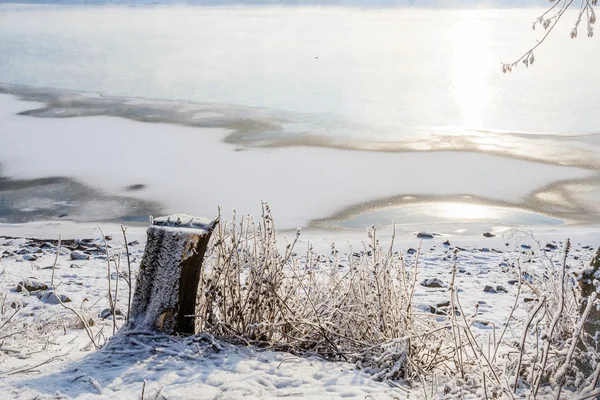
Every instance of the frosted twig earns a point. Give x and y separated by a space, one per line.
555 320
512 310
84 322
524 337
128 280
27 369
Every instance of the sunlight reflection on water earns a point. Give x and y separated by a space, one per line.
433 213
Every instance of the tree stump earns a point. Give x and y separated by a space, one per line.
586 283
167 284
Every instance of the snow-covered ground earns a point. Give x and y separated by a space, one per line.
46 354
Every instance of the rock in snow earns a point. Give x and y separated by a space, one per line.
489 289
425 235
31 285
78 255
501 288
433 283
49 297
107 312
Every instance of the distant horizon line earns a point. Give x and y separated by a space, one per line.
413 4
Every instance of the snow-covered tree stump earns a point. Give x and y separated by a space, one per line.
167 284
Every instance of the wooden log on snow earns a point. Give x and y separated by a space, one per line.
167 284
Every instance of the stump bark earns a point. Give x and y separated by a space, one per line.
586 283
167 284
592 324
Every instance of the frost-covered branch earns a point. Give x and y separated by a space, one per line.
549 19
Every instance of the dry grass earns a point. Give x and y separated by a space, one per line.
358 307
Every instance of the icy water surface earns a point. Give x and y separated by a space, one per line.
356 74
439 213
322 111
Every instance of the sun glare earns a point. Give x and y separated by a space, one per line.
471 70
461 211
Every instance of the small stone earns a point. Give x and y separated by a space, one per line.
526 246
74 266
443 304
489 289
79 255
16 304
433 283
485 250
446 243
488 235
436 311
411 251
29 257
551 246
500 288
134 243
528 299
425 235
513 281
107 237
50 297
107 312
31 285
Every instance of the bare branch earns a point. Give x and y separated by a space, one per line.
549 19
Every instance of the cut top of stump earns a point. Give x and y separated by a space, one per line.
184 221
